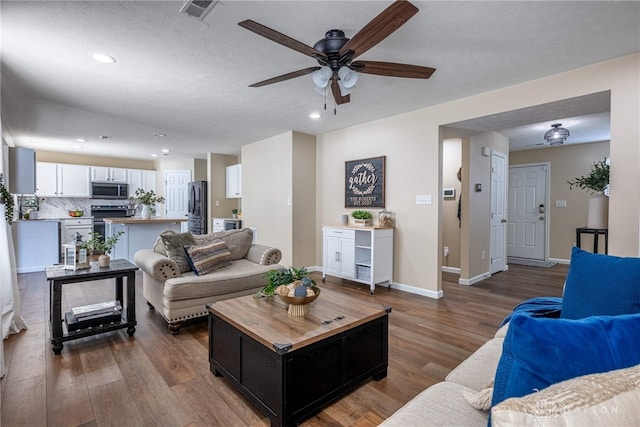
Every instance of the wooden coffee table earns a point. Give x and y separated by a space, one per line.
290 367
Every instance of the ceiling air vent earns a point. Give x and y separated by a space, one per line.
198 8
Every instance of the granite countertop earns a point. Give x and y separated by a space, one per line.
138 220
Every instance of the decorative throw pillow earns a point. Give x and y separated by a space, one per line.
207 258
538 352
174 245
601 285
480 400
158 246
238 241
609 398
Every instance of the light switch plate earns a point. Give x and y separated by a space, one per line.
561 203
423 199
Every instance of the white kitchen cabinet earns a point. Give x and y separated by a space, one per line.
234 181
62 180
71 226
361 254
139 178
36 244
104 174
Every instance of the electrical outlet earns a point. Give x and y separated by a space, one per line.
217 202
446 251
483 254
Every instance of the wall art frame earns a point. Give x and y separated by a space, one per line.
364 183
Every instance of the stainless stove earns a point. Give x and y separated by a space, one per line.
100 212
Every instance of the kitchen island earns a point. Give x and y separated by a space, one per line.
138 233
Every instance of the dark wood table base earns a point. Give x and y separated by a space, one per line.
118 269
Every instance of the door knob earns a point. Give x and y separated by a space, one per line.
541 217
504 220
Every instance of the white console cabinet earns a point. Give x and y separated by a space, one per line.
361 254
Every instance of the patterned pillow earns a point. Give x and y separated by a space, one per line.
207 258
174 245
609 398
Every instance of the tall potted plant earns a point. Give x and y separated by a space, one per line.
596 181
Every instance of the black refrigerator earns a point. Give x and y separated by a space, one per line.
197 208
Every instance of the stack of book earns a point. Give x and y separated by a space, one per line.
93 315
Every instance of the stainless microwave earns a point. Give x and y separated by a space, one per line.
109 190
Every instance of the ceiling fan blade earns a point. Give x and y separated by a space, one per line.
336 92
287 76
282 39
392 69
380 28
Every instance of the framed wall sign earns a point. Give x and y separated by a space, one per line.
364 183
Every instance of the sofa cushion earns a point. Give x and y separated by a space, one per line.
479 369
601 285
241 275
158 246
609 398
442 404
538 352
238 241
174 245
206 258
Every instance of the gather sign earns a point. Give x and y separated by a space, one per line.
364 183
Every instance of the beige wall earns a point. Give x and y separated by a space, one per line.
566 162
304 200
267 192
451 161
217 178
412 144
80 159
475 256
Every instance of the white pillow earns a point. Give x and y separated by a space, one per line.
611 398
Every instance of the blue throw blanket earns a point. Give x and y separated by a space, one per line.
537 307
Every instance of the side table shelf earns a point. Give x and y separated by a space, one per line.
595 232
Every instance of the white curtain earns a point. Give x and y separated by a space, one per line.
12 321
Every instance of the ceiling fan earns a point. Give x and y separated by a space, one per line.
336 54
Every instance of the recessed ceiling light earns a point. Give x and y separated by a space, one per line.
159 135
101 57
154 155
315 115
81 140
164 150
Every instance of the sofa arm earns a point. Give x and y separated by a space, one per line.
158 266
264 255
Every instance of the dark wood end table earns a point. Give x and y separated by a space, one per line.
291 367
118 269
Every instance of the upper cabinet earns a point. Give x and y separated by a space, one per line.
104 174
138 178
62 180
234 181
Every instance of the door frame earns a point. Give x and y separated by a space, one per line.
547 200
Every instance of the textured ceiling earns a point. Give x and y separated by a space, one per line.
188 79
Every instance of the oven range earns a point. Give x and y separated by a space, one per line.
100 212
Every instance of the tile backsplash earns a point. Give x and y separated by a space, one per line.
59 207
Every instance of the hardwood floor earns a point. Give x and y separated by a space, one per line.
164 380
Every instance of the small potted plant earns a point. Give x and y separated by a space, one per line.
596 182
100 248
234 213
361 217
148 200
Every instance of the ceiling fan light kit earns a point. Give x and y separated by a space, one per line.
336 54
556 135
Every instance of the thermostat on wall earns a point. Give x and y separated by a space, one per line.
449 193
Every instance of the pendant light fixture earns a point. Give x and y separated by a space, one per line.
556 135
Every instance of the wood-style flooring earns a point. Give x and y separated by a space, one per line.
158 379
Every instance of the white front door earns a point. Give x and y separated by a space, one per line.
527 225
498 220
176 189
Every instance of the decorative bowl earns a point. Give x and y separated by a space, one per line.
299 306
76 213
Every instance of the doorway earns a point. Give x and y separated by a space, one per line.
527 211
498 217
176 189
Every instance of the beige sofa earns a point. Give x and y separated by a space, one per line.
179 296
444 403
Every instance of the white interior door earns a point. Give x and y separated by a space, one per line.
527 201
176 189
498 218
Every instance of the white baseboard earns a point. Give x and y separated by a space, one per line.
418 291
30 269
560 260
474 280
455 270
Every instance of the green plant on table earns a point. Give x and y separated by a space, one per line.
98 245
284 276
361 214
596 180
147 197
